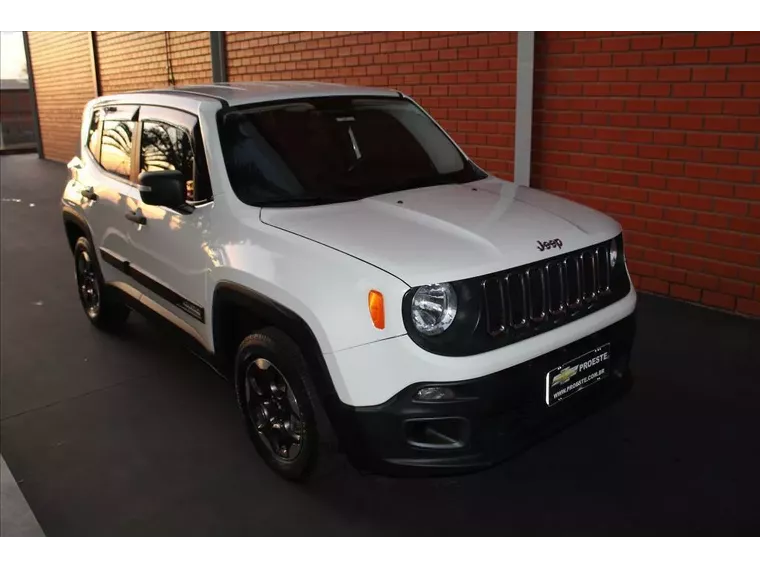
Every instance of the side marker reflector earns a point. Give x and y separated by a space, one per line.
377 309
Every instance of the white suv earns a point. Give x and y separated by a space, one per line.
353 273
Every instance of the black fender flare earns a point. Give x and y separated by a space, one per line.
72 216
339 414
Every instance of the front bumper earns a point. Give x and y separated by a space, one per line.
493 417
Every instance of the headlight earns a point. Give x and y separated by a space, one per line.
434 308
613 254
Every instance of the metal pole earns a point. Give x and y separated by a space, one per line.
33 95
524 106
218 57
95 63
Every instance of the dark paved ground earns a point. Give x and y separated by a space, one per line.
116 436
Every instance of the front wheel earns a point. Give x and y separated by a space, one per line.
275 394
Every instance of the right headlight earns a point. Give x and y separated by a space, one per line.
434 308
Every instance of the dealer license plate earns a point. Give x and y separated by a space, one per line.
576 375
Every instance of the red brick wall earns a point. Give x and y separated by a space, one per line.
465 80
138 60
660 130
63 83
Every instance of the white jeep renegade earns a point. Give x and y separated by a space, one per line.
353 273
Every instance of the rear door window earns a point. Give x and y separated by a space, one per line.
116 147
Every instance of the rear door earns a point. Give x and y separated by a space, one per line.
108 186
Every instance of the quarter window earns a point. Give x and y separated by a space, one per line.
93 137
167 147
116 149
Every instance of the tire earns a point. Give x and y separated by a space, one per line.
266 361
100 305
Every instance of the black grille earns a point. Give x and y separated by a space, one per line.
546 294
508 306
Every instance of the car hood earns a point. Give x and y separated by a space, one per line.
449 232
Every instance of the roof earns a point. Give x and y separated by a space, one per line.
14 85
235 94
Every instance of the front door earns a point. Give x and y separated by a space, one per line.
167 256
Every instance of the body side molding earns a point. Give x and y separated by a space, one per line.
160 289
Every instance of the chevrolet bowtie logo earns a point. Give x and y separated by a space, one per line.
565 375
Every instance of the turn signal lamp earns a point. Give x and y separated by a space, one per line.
376 309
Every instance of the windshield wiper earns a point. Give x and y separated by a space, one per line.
303 201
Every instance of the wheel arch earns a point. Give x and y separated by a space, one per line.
263 311
75 226
230 300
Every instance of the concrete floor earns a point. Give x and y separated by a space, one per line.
130 435
16 518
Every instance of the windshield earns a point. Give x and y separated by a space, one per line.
326 150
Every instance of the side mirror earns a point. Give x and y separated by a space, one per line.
166 187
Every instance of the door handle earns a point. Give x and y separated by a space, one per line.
89 193
136 217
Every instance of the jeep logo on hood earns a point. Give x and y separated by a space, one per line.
544 245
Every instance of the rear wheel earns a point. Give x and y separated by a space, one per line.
275 395
99 304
